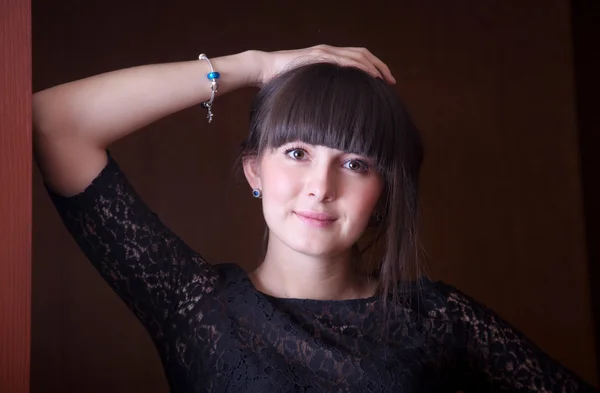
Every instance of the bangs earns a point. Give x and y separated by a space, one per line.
328 105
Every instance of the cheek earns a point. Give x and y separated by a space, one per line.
279 188
363 203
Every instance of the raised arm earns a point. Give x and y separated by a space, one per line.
74 123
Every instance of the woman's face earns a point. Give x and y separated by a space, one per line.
316 200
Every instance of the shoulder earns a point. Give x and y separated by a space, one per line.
233 279
440 300
424 292
440 293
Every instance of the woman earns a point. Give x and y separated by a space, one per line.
336 160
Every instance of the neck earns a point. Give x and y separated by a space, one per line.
286 273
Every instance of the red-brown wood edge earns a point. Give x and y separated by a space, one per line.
15 194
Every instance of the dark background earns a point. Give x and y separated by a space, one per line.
503 92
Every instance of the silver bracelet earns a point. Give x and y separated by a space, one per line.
214 86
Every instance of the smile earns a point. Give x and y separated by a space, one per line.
314 219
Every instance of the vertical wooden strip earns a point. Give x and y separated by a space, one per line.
15 194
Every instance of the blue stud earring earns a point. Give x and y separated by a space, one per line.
256 193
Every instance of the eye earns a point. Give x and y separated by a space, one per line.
356 165
296 153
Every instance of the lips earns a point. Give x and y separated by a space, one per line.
316 215
315 219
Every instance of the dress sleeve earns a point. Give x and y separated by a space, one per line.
494 356
153 271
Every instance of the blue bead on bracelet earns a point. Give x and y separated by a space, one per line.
214 86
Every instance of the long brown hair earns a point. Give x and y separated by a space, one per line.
347 109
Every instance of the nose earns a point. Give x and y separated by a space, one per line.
321 183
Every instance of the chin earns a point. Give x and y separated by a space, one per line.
316 248
310 242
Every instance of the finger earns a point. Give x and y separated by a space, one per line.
344 58
356 59
380 65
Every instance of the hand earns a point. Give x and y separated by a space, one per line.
273 63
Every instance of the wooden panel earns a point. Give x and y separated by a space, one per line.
15 194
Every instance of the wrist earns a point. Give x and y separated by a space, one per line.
240 70
252 62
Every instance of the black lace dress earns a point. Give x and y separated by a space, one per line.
216 333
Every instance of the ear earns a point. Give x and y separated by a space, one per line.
251 167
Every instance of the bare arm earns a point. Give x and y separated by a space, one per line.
74 123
